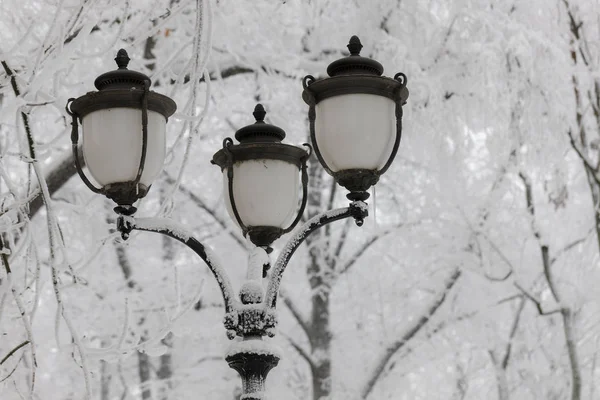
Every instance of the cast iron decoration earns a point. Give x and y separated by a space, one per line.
348 77
355 123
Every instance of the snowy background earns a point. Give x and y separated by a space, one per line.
475 276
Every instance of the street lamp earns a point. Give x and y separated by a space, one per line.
355 119
355 124
124 126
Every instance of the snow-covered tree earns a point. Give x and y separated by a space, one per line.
473 277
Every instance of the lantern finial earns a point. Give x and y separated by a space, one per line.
354 64
354 46
122 59
259 113
260 131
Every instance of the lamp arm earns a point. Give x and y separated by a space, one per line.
357 210
168 228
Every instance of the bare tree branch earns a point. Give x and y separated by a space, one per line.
535 301
569 247
362 249
390 350
566 313
13 351
301 351
586 162
200 203
296 313
513 331
500 377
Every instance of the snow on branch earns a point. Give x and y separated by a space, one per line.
361 250
296 313
211 211
300 350
389 351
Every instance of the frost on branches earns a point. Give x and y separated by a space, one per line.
478 281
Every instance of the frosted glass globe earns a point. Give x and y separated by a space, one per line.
355 131
266 192
112 145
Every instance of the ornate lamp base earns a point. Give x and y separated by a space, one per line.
253 369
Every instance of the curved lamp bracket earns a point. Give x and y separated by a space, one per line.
357 210
166 227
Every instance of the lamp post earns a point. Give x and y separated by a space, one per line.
355 124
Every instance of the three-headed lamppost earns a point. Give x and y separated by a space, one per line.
355 118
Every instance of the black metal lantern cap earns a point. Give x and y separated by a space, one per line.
354 74
355 64
260 141
122 88
121 78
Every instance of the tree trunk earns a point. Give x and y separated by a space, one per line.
320 340
144 374
165 369
105 378
318 271
501 379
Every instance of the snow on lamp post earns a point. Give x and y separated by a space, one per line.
352 130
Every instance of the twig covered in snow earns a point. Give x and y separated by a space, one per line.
390 350
565 311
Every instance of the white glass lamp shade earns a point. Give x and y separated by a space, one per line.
355 131
266 192
112 145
